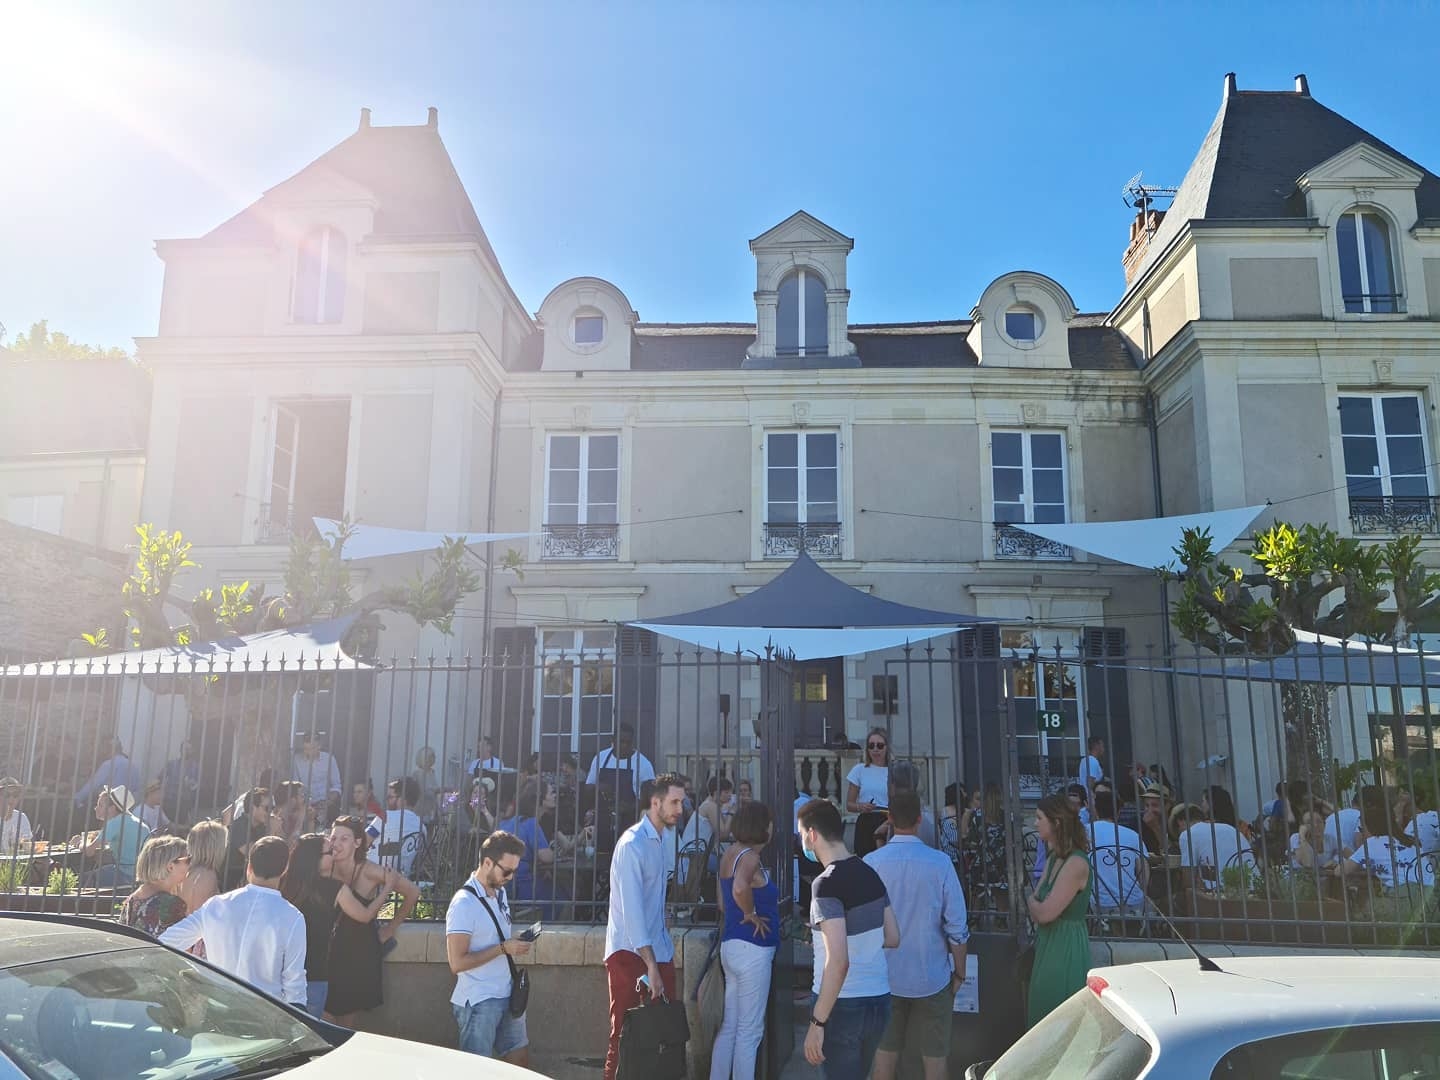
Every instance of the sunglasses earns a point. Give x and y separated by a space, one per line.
507 872
877 746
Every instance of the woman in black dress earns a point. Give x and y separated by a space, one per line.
358 941
309 887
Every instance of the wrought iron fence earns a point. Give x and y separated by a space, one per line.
818 539
1395 514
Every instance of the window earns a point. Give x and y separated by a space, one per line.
1367 272
589 329
885 694
43 512
1358 1052
320 277
800 316
1028 471
1022 325
582 497
577 691
1047 683
802 494
1387 462
309 449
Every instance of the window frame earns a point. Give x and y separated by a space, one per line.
577 655
324 301
802 469
1380 435
802 275
33 502
1037 325
583 491
1395 299
1027 474
588 314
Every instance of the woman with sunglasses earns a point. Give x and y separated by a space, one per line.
160 868
868 791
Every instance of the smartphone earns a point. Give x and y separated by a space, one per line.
532 933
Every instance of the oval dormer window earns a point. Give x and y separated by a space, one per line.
1023 325
588 328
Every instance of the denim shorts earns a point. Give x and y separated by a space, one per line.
488 1029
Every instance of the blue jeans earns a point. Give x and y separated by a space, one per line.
488 1029
852 1035
315 994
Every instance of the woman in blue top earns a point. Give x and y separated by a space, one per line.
751 903
524 823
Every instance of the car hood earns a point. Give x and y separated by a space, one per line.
364 1054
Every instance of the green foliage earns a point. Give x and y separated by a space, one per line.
43 344
99 641
14 875
62 880
1348 777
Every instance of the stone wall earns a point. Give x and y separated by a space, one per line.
52 590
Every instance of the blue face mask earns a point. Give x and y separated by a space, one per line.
808 853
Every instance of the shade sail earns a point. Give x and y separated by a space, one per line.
1316 658
304 648
1146 542
810 613
376 541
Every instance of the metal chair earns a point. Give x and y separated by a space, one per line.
691 865
1116 870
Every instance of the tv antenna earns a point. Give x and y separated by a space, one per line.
1141 196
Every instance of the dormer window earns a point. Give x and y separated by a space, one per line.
320 277
800 316
1022 325
1367 268
589 328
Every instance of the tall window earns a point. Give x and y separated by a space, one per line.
308 454
583 480
800 316
577 691
1367 272
802 477
320 277
1387 463
1028 471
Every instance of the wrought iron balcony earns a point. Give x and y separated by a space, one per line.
275 524
1013 543
580 542
818 539
1395 513
1374 303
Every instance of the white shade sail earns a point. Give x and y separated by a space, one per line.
1147 542
376 541
802 642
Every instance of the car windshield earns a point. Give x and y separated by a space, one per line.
1081 1040
143 1013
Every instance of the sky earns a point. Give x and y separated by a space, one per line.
647 143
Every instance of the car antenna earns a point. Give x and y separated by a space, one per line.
1206 964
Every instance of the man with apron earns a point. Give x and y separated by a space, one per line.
616 774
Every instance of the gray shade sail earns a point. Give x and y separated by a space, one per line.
302 648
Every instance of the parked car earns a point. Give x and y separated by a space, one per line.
1287 1017
87 1000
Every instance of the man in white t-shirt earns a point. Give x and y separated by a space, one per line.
1091 769
622 757
1341 830
1383 857
318 771
480 950
400 827
1424 829
484 759
1118 856
1206 849
14 825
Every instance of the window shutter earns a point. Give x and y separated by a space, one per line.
980 642
512 694
1107 695
982 719
637 687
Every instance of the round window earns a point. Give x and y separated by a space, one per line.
589 328
1023 325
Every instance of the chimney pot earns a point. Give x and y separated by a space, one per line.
1302 85
433 119
364 119
1230 87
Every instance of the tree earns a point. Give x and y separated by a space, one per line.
43 344
1309 578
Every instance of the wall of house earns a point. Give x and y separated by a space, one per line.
902 513
690 494
101 496
394 451
1274 288
1286 451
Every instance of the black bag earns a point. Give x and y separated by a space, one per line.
652 1042
519 980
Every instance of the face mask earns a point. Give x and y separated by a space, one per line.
808 853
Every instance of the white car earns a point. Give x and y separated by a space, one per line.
85 1000
1285 1017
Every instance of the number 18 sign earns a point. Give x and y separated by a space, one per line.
1051 721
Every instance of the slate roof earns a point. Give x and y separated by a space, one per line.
1260 143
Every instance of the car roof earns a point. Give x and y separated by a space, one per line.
1256 997
34 939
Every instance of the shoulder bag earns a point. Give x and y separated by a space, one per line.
519 980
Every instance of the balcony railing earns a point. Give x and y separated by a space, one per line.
1013 543
580 542
1373 303
275 524
818 539
1395 513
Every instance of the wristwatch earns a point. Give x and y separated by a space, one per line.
817 1022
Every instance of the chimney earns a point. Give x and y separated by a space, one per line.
364 119
1142 229
432 120
1230 87
1302 86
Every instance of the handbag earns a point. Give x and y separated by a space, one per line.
709 994
519 980
652 1042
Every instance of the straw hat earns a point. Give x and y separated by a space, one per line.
1182 808
121 797
1155 791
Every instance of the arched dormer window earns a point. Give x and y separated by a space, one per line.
320 277
1367 265
800 316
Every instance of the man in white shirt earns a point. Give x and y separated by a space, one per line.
485 759
1424 829
399 825
1091 769
1341 830
254 933
317 770
1118 856
14 825
480 950
619 759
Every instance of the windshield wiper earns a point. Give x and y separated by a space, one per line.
276 1064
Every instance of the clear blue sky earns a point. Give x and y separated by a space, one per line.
647 143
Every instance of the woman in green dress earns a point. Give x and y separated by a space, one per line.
1062 944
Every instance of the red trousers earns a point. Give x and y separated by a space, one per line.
622 970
